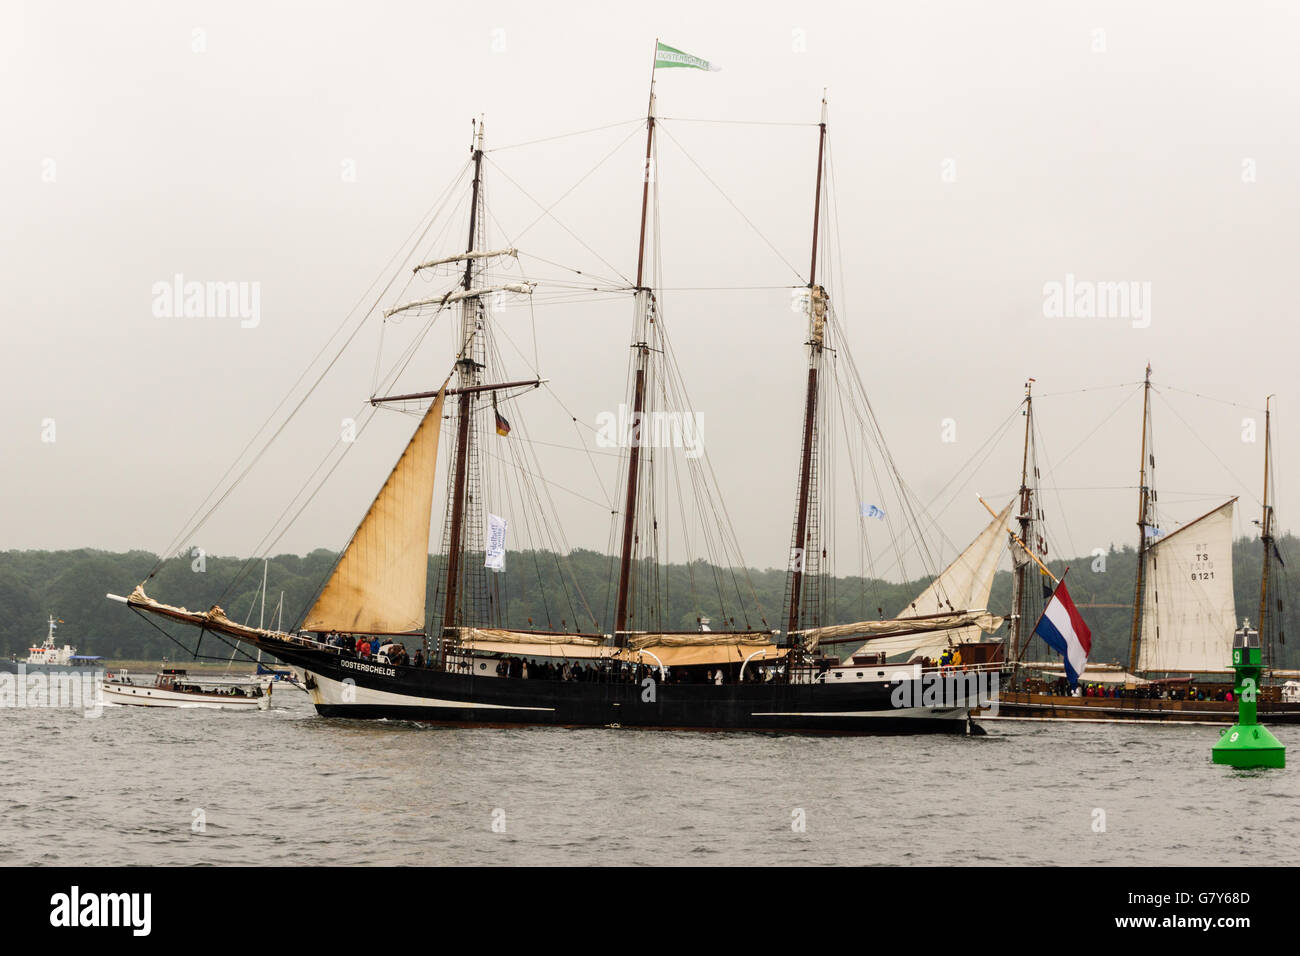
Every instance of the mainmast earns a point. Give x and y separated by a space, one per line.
799 558
644 306
1025 520
467 372
1144 504
1266 539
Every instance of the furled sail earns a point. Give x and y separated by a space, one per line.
952 608
469 635
704 647
1188 614
379 584
467 257
460 295
702 639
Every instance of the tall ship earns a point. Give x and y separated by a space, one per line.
48 657
1184 619
384 638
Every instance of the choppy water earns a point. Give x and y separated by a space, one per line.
288 787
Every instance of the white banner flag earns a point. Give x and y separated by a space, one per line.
496 544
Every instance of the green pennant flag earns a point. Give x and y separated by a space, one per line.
666 57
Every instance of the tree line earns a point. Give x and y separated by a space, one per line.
537 589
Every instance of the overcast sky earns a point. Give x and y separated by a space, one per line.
981 151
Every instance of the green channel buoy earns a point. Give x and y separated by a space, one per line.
1246 743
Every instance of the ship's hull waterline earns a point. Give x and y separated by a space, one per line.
1019 705
346 687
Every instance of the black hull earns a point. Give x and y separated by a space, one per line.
346 687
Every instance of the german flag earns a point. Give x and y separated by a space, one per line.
503 426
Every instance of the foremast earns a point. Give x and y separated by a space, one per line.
1025 519
1144 509
805 565
463 501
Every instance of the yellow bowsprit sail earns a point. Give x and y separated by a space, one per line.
379 585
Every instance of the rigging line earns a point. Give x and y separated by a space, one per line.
1211 398
264 546
551 444
547 481
552 532
1086 388
1222 463
547 210
566 284
871 426
836 257
1040 445
194 652
578 431
985 449
692 119
728 288
431 216
853 472
367 413
496 328
560 265
581 132
724 523
1123 401
730 202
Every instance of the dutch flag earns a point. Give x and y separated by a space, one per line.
1064 631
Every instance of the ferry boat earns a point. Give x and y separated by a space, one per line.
47 657
173 687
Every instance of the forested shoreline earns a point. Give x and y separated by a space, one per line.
536 585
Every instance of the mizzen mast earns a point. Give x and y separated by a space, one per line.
804 564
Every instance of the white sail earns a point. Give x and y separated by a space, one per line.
379 584
1188 614
960 592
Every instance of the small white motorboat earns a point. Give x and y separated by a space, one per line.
173 687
